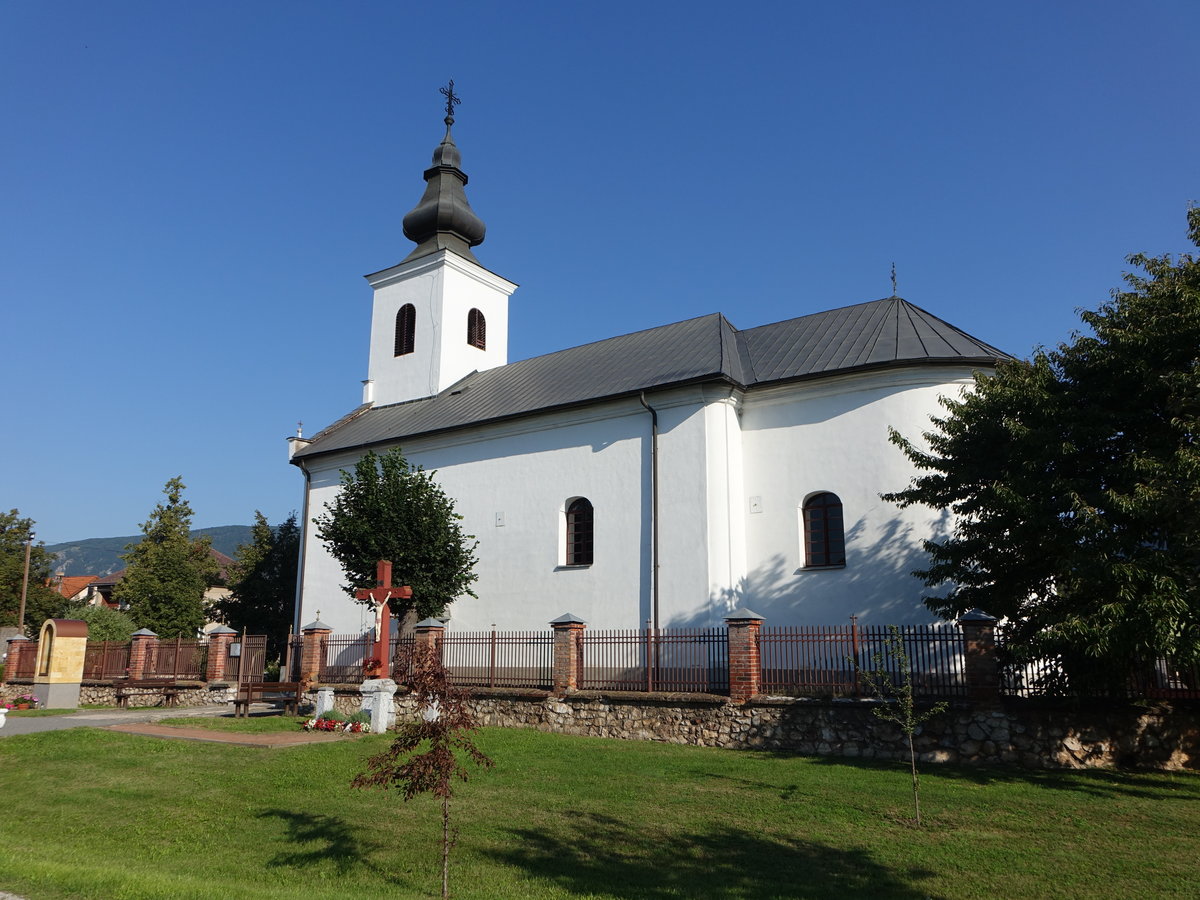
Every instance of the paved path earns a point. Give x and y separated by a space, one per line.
103 718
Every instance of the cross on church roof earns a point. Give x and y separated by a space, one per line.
451 101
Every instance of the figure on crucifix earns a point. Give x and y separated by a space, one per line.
379 598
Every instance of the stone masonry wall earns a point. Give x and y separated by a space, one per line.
1019 732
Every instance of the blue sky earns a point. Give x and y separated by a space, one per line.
193 192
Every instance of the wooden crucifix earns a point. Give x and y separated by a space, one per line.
379 596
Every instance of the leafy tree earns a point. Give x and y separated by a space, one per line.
900 701
167 572
429 753
41 600
390 510
262 580
1075 481
104 623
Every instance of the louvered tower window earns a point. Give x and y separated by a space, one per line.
824 534
579 532
406 327
476 329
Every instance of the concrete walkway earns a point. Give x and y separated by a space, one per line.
103 718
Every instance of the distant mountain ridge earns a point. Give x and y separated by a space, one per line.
102 556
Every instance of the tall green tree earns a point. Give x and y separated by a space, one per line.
104 624
41 600
167 573
390 510
262 580
1075 482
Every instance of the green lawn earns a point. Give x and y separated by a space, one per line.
97 814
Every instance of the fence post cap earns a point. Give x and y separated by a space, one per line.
221 629
17 637
144 632
742 614
975 617
568 619
432 622
316 626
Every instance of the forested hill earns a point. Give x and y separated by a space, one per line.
102 556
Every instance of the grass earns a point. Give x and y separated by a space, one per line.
98 814
38 713
264 724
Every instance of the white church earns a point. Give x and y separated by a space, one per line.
669 476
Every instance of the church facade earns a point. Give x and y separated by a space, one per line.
669 476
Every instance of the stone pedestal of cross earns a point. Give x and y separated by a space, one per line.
379 596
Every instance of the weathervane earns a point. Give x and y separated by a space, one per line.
451 101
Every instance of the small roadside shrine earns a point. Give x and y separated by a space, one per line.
59 672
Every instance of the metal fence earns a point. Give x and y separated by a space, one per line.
342 657
248 661
104 660
177 659
290 670
1163 679
26 665
824 660
499 658
694 660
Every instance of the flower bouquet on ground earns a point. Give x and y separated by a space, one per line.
357 723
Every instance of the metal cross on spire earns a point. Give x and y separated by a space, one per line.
451 101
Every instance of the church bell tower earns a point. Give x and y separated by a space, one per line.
438 315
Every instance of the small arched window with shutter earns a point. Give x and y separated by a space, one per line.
824 533
406 327
580 522
476 329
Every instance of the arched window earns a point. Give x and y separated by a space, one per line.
476 329
579 532
824 534
406 327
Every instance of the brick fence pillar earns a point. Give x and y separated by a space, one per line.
142 645
219 640
429 634
18 645
745 660
310 653
568 653
980 666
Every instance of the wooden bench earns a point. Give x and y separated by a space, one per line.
129 686
249 691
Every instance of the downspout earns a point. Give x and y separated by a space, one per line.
296 624
653 508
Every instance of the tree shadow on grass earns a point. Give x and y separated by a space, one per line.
602 856
329 841
1103 783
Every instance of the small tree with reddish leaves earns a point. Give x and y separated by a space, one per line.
430 753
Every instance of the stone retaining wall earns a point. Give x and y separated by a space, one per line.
104 693
1033 734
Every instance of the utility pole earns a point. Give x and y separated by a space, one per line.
25 583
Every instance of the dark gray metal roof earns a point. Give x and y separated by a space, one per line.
868 335
442 218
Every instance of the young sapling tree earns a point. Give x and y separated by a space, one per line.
899 702
430 753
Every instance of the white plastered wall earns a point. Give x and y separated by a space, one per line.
511 484
443 288
833 436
